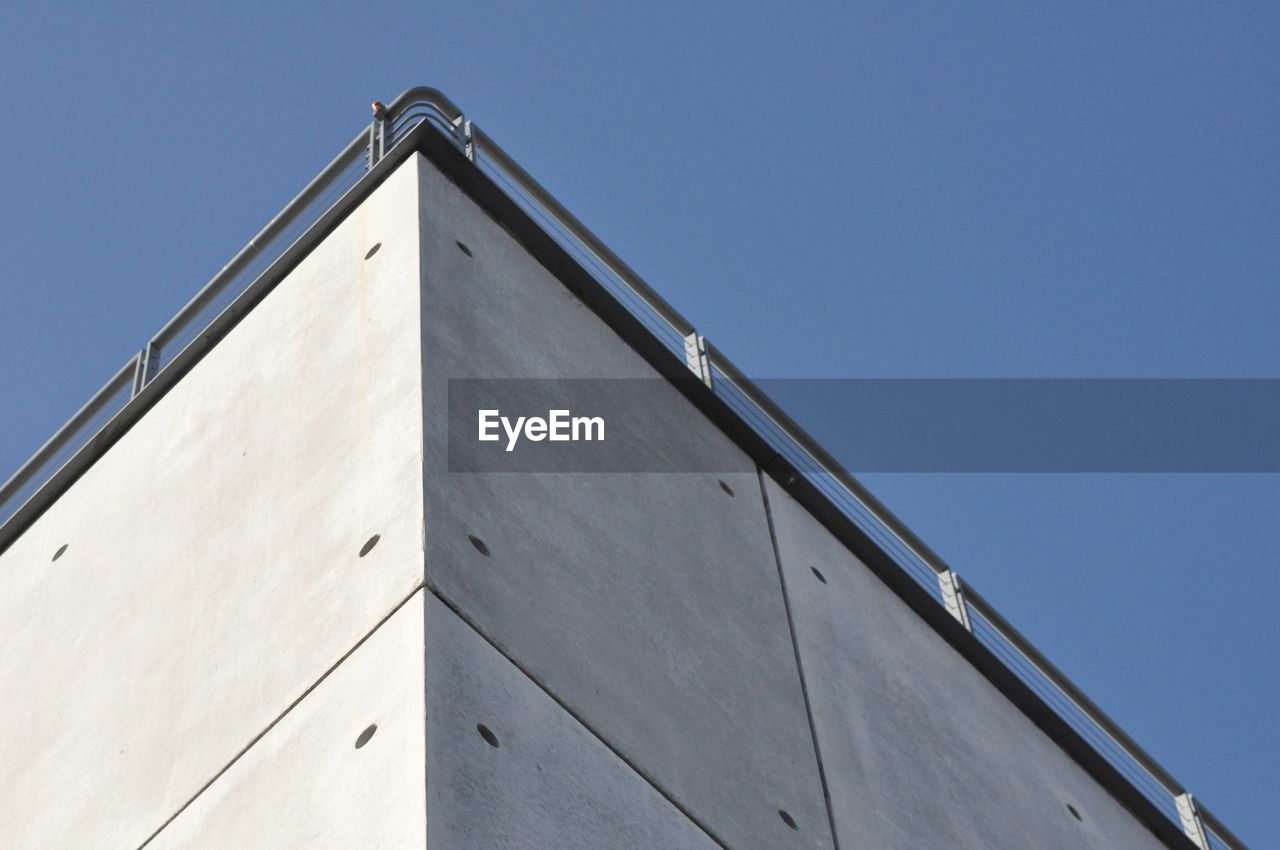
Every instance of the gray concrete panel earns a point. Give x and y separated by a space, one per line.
536 778
920 751
211 571
321 777
648 603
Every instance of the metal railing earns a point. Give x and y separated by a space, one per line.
235 289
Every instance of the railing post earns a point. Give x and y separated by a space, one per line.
464 136
1192 825
146 366
139 371
695 356
953 597
377 134
468 140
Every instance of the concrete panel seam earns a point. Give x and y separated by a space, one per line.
666 795
424 257
795 646
258 737
426 695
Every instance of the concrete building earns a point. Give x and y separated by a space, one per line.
251 601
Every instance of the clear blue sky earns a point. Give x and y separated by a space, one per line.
879 190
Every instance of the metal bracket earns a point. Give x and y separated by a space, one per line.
142 372
695 356
1192 825
953 598
468 140
377 134
464 136
139 372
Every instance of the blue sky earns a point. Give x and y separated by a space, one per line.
843 190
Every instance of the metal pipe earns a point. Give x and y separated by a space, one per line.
121 379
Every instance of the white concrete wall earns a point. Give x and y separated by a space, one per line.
306 785
211 574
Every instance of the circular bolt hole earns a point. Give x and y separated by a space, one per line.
373 250
366 735
479 544
61 549
817 572
487 733
787 818
369 544
725 487
1074 813
463 248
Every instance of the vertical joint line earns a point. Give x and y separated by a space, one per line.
795 646
953 598
695 356
1192 825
